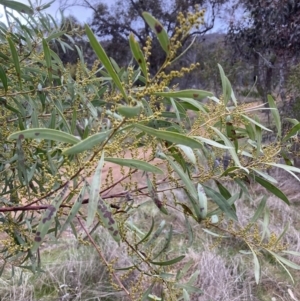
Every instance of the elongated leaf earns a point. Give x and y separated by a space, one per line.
275 114
273 189
185 295
3 78
181 272
95 192
108 220
170 136
156 233
130 112
189 232
256 266
87 144
194 103
265 175
17 6
105 60
74 210
226 86
202 201
138 55
256 123
258 137
221 202
188 152
148 234
166 245
133 163
294 130
47 220
231 149
168 262
214 234
46 134
15 58
159 30
285 261
47 57
190 93
155 197
259 209
225 193
189 185
212 142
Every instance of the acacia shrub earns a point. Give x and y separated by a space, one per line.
58 130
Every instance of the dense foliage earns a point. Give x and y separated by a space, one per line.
58 130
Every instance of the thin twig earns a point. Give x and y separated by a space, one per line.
104 260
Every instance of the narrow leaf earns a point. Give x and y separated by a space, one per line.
159 30
104 60
190 93
188 152
275 114
46 134
108 220
169 262
47 220
202 201
3 78
259 209
221 202
95 192
15 58
294 130
138 55
87 144
137 164
273 189
47 57
170 136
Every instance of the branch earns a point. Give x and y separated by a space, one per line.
110 269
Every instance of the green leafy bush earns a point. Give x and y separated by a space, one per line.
59 130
